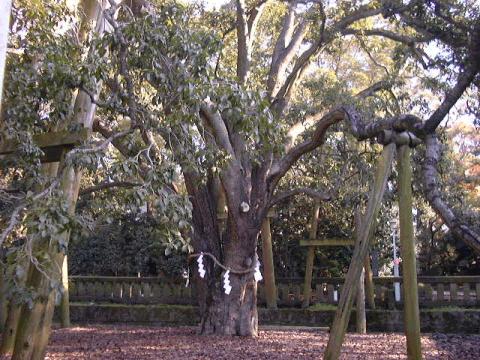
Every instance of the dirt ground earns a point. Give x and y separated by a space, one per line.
135 342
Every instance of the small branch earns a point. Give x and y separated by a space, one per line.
109 185
14 218
307 191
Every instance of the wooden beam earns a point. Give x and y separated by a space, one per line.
58 139
307 285
328 242
268 268
407 247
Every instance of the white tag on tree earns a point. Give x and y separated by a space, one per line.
257 275
201 268
226 282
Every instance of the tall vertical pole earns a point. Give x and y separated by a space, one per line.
268 268
369 289
396 271
360 313
65 302
407 243
307 286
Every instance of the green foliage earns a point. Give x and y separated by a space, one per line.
127 246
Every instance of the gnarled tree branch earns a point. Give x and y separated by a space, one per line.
434 196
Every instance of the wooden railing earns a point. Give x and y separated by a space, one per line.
433 290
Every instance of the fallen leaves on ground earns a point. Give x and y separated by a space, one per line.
138 342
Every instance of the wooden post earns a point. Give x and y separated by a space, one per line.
361 316
369 287
10 329
65 303
307 286
407 243
268 268
347 296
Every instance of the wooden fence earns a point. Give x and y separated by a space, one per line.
433 290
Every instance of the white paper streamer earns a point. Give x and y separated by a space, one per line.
201 269
226 282
257 275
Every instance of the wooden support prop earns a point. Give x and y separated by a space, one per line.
307 286
369 286
361 316
407 246
347 296
360 313
268 268
399 139
328 242
65 303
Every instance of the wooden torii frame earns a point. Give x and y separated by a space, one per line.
54 145
312 243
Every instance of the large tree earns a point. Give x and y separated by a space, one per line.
231 100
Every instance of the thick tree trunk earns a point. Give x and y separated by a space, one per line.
221 313
235 313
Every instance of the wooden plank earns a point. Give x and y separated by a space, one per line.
328 242
49 140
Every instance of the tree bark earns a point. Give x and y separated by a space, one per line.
235 313
307 286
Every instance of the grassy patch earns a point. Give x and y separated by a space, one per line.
322 307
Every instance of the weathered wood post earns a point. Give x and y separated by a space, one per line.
361 316
268 268
407 244
65 302
307 286
369 287
347 296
